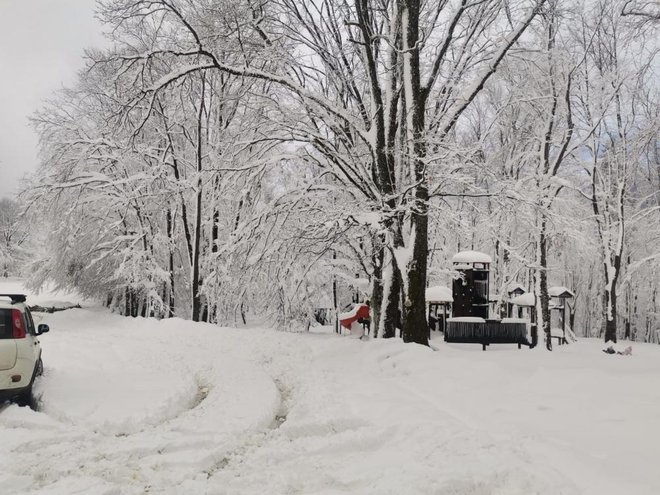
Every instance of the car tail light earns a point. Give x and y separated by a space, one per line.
18 324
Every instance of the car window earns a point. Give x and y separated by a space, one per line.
6 328
30 323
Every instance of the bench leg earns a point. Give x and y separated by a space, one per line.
519 346
483 347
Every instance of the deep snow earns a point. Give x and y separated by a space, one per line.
131 406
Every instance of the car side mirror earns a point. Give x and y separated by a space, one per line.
43 328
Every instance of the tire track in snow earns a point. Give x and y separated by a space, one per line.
283 379
337 426
162 455
304 440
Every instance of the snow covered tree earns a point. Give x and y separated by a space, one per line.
614 88
13 234
230 157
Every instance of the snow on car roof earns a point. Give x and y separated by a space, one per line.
14 298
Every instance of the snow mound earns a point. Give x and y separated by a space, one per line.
133 405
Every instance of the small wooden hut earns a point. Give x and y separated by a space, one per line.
471 290
438 302
470 322
558 304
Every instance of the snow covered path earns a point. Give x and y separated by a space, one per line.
134 406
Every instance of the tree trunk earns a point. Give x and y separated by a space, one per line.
543 299
243 314
170 247
610 309
610 316
391 314
383 128
376 303
335 301
195 284
416 327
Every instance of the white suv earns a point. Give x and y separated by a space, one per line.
20 352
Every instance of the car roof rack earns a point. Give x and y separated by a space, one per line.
15 298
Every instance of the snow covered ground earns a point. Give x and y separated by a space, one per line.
132 406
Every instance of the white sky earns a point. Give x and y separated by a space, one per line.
41 45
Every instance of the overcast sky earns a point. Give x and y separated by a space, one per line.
41 45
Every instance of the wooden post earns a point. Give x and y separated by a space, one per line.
334 297
535 330
563 321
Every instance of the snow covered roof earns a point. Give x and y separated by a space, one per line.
560 291
528 298
524 299
439 294
471 257
516 286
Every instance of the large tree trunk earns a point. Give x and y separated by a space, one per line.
391 313
170 247
383 128
543 301
610 316
211 307
610 299
195 283
335 300
376 303
416 326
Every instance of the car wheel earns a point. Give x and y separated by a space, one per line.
26 399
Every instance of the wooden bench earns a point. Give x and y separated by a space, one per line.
469 330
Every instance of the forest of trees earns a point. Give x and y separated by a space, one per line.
232 157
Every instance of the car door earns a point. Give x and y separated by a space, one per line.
35 346
8 350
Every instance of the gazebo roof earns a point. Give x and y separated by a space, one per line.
515 286
439 294
526 300
471 257
561 292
